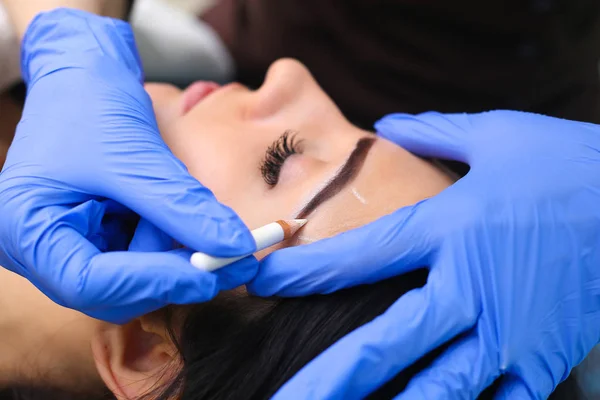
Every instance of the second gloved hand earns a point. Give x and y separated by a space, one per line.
513 250
88 158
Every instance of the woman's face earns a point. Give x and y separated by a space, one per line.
222 135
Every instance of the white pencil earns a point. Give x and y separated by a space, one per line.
265 236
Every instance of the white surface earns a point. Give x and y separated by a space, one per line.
195 7
175 46
10 70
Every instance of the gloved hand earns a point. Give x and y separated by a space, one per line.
88 134
513 250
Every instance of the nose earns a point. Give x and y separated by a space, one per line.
286 70
285 81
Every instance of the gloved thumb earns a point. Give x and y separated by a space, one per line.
429 134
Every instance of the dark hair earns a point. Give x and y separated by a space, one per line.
243 347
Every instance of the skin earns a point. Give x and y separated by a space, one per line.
222 140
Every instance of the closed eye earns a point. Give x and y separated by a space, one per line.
282 148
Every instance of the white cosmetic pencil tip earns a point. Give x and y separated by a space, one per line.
290 226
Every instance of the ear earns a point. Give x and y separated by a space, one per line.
135 358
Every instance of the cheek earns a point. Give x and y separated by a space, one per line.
211 160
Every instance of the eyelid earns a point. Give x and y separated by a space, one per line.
276 155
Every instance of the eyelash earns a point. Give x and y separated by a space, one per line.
286 145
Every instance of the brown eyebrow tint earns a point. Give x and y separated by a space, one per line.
346 175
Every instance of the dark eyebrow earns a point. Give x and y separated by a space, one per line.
345 175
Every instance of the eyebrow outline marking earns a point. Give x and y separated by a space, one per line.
346 174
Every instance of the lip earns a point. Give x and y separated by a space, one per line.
197 92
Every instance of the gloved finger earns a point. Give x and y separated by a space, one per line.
390 246
129 284
362 361
513 387
148 237
463 371
429 134
160 189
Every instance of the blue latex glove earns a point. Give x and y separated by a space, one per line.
514 256
88 134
